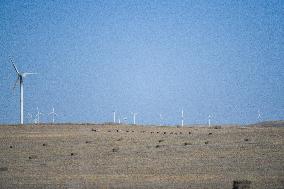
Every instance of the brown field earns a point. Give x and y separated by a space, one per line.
117 156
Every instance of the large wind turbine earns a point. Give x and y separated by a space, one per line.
53 114
20 78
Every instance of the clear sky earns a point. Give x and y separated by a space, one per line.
223 58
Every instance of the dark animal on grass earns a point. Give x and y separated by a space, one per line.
187 143
32 157
115 149
241 184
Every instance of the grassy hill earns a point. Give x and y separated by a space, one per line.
119 156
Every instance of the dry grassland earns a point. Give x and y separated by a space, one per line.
117 156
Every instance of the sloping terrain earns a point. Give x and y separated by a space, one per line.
117 156
279 123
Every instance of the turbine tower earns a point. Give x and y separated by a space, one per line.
20 78
53 114
259 115
209 120
134 117
182 117
161 119
114 117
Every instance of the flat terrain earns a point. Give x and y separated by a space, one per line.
117 156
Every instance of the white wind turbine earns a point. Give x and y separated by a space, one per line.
114 117
259 115
182 117
209 120
30 117
134 117
38 115
125 120
53 114
20 78
161 119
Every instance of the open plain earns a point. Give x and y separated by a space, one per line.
120 156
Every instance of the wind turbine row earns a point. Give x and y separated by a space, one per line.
38 114
125 118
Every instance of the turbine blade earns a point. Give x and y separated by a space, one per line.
16 83
15 67
25 74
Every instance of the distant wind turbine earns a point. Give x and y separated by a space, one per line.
38 115
161 119
20 78
125 119
30 117
114 117
209 120
259 115
134 117
53 114
182 117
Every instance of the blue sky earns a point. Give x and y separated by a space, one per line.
223 58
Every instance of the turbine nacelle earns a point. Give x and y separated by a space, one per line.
21 75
